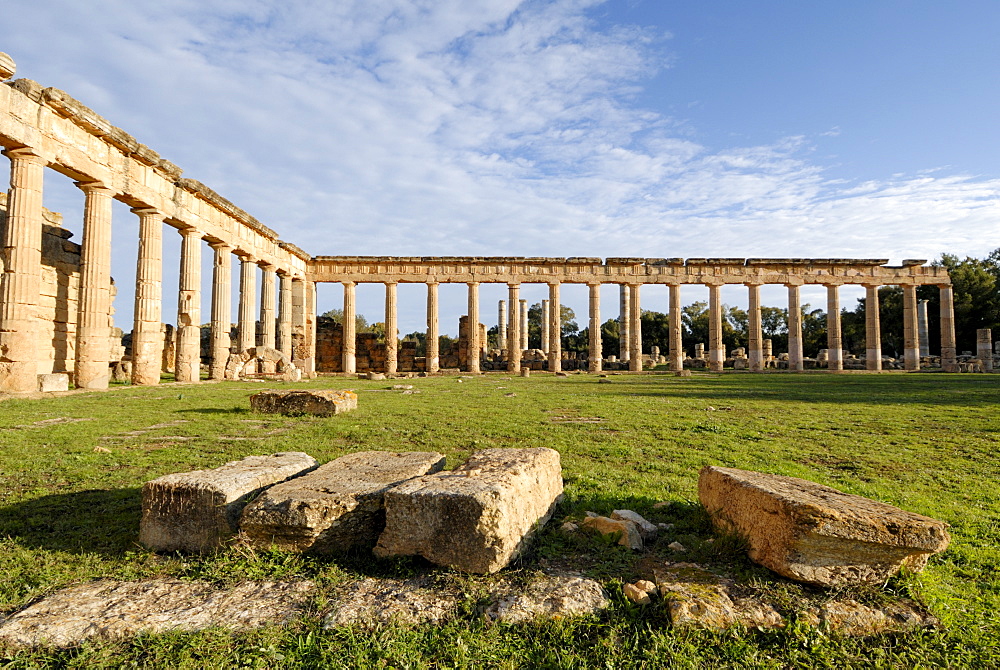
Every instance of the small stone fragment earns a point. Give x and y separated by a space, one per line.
549 596
647 529
676 546
636 595
525 372
665 526
661 504
197 511
474 523
50 383
603 381
314 403
509 395
376 376
403 602
646 585
569 527
629 531
335 507
817 534
101 450
402 387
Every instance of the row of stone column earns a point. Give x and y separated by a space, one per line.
19 288
512 322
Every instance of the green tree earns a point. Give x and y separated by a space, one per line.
361 324
567 319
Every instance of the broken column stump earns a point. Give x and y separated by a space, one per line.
816 534
196 511
477 517
315 403
335 507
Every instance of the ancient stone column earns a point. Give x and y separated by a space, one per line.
188 362
546 334
984 348
595 356
716 354
555 329
923 329
267 300
22 273
285 314
835 348
873 330
523 323
502 324
755 336
949 363
433 355
474 349
624 329
299 321
391 329
676 323
247 325
147 314
635 329
349 336
911 336
794 328
222 309
514 351
310 327
93 327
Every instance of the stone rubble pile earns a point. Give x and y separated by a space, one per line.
476 518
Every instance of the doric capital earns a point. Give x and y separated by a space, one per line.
190 232
26 154
148 213
220 246
267 267
94 188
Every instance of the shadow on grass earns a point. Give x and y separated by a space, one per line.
214 410
101 521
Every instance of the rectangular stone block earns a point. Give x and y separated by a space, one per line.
196 511
49 383
477 517
816 534
315 403
335 507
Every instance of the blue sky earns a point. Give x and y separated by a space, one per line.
549 128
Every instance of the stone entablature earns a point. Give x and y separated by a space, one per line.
583 270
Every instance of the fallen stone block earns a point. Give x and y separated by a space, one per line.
373 601
477 517
117 610
196 511
314 403
815 534
336 506
698 598
548 597
50 383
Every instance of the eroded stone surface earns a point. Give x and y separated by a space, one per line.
628 531
851 617
197 511
314 403
335 507
117 610
7 66
411 601
548 597
816 534
698 598
477 517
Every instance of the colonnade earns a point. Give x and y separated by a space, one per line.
513 327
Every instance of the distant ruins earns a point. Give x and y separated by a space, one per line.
55 310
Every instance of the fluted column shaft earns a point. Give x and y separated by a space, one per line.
834 345
595 356
433 353
984 348
285 315
310 328
514 328
949 362
147 315
923 328
22 271
716 356
299 320
911 338
676 322
522 321
795 362
635 329
555 329
348 345
755 336
267 305
222 309
391 329
873 330
93 327
502 324
546 330
188 361
247 325
474 348
624 322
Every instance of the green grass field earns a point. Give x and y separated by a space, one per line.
925 442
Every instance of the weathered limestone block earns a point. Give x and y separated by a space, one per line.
477 517
58 381
547 597
316 403
197 511
816 534
628 531
698 598
335 507
7 67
